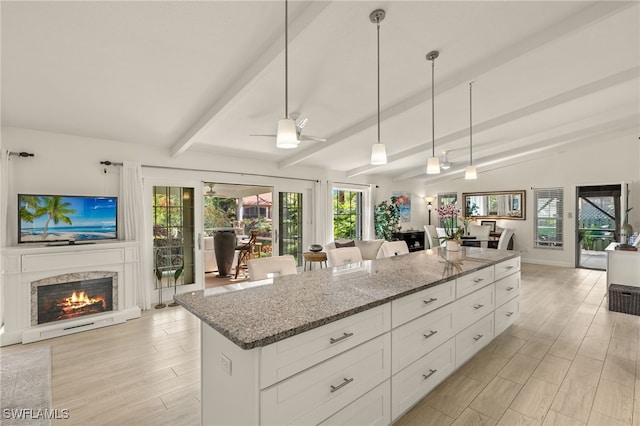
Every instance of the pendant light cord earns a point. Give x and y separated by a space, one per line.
433 109
470 125
378 26
286 59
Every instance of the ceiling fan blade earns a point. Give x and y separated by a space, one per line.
312 138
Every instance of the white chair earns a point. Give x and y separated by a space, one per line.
431 237
394 248
481 232
505 238
268 267
344 256
210 264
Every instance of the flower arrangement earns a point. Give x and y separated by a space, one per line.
449 215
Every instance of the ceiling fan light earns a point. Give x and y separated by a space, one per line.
470 172
378 154
286 137
433 166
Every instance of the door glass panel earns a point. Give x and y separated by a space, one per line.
173 235
290 226
598 214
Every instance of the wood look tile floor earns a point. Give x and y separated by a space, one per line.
567 361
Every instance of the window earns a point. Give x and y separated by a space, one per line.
548 219
291 224
445 200
347 214
173 233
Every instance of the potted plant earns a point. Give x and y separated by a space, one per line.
449 215
386 217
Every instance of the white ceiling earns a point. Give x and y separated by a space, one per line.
204 75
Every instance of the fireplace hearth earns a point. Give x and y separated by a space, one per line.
71 296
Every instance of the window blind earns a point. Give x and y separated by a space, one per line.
548 220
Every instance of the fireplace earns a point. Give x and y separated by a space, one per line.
72 296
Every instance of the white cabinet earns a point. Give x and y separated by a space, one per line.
365 369
315 394
623 267
473 338
290 356
418 379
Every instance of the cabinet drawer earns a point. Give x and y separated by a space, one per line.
373 408
289 356
473 281
507 267
472 307
474 338
420 336
414 382
507 288
422 302
317 393
507 314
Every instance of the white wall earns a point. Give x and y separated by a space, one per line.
70 165
608 162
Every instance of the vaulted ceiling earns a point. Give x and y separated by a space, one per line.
206 75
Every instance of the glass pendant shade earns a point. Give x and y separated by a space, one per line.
286 137
470 173
433 166
378 154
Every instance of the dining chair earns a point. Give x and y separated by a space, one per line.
245 252
431 237
344 256
505 238
394 248
269 267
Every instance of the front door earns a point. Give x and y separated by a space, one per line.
598 217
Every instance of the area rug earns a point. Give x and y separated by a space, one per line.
25 387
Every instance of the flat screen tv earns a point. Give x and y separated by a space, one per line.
70 218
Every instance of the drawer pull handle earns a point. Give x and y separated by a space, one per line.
344 383
509 288
478 280
341 338
510 267
509 314
431 333
478 337
431 373
433 299
478 306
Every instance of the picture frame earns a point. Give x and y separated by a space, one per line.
491 223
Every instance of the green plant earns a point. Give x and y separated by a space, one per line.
386 216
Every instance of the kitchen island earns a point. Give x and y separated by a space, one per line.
359 344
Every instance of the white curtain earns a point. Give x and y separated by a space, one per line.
368 231
323 211
5 188
136 228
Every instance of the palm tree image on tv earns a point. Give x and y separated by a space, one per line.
66 218
53 208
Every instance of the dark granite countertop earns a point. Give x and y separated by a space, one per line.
259 314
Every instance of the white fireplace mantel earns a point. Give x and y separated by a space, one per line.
24 264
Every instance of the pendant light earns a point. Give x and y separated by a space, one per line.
433 163
470 172
286 136
378 150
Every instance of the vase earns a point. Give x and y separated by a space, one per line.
224 244
453 245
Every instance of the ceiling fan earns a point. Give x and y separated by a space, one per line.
445 164
210 192
300 123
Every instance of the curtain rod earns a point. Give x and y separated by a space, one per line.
356 184
151 166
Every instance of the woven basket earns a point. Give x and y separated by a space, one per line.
624 298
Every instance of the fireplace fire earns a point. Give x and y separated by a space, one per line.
74 299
